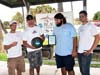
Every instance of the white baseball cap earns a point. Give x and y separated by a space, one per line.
13 22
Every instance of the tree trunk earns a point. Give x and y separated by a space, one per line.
2 27
1 39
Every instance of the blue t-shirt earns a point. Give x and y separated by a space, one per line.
64 39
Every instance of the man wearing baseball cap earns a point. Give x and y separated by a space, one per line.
34 54
12 45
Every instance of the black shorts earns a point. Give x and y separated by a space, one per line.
65 61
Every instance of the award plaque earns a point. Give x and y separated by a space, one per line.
51 39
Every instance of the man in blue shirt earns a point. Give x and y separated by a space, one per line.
66 43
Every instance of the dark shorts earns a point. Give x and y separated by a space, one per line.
35 58
65 61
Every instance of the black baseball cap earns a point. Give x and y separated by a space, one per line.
29 17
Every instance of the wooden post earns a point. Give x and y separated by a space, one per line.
60 7
85 5
26 3
23 18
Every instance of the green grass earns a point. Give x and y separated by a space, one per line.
3 57
92 65
45 61
49 62
95 65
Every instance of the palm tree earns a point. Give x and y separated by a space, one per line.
42 9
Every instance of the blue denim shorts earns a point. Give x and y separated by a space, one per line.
65 61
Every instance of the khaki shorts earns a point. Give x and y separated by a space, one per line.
16 64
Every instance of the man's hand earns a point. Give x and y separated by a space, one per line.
87 52
14 44
28 45
6 47
74 53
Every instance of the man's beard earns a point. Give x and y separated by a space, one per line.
59 24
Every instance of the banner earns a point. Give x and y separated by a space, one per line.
46 21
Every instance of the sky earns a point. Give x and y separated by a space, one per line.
93 6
